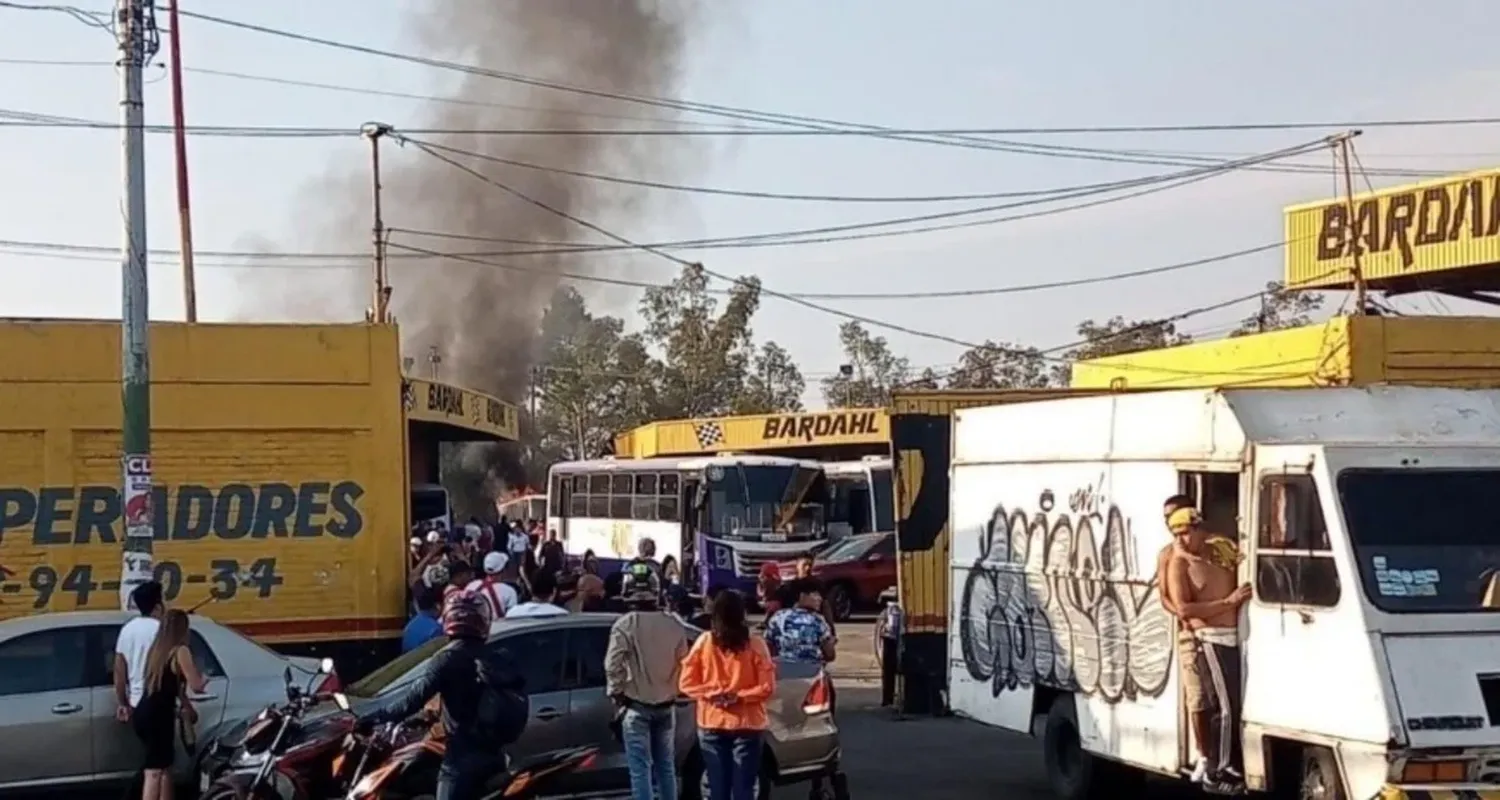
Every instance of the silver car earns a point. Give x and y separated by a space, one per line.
57 688
562 658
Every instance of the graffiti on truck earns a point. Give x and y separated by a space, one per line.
1055 599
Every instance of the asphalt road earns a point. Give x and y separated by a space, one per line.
947 758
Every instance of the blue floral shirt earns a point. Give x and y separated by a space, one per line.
796 634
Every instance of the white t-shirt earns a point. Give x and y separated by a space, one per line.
518 542
535 609
134 643
504 591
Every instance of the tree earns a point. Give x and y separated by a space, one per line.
874 370
705 354
1280 308
774 383
593 380
1002 366
1117 336
929 379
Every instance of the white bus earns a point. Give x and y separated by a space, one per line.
720 518
523 509
860 497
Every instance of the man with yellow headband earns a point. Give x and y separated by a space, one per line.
1203 590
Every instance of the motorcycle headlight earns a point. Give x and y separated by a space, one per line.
245 759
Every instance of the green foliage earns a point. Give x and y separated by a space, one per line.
873 370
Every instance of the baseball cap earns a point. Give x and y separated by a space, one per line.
495 562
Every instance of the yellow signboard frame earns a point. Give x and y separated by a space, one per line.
465 409
866 427
1419 236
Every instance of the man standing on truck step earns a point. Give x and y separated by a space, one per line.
1208 604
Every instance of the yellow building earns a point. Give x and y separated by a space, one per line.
1344 351
285 460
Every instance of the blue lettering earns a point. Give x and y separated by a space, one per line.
346 522
52 507
278 502
234 513
61 515
194 517
312 501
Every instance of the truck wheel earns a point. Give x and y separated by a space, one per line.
1320 775
1069 767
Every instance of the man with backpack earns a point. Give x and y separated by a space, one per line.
484 705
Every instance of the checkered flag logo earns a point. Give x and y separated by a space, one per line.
709 434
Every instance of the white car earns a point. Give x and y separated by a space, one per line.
57 689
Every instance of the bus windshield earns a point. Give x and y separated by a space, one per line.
1424 539
765 501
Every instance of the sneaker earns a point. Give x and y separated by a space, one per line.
1200 771
1220 786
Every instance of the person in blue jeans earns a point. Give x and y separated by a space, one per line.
641 668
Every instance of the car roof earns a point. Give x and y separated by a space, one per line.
66 619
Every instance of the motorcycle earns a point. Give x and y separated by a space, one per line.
282 756
395 765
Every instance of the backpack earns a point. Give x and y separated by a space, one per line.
503 708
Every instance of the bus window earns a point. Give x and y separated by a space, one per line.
621 485
645 484
619 506
669 486
429 505
599 485
644 508
554 496
580 484
598 506
578 505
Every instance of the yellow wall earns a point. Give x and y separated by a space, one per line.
1345 351
303 422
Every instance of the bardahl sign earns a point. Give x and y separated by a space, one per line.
809 427
1398 232
429 401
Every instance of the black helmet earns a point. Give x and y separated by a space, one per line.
466 616
640 584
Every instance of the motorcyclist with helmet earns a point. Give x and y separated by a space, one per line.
641 666
460 674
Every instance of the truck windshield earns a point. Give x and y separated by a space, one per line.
1425 540
761 501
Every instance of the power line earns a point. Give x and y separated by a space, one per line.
861 230
98 254
874 322
845 128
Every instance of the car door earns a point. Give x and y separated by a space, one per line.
48 703
592 713
539 654
117 750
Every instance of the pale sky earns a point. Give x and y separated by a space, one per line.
943 63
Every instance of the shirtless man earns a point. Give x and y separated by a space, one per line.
1208 603
1187 649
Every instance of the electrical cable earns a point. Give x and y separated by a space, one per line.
874 322
833 233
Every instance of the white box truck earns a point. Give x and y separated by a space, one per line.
1368 521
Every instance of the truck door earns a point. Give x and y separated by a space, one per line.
1293 634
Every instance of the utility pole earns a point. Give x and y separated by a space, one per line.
135 27
374 131
536 379
184 202
1356 273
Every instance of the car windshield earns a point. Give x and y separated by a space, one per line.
384 677
850 549
765 500
1425 539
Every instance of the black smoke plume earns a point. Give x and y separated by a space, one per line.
481 320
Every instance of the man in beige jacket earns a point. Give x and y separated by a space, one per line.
646 648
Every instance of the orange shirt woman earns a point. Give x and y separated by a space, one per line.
731 675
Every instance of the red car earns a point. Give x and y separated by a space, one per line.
854 571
